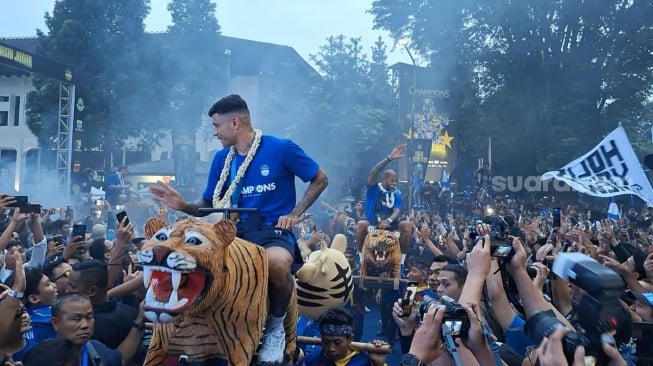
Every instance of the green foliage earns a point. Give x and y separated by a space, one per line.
191 65
545 79
354 117
102 39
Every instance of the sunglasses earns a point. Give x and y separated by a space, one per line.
64 274
20 311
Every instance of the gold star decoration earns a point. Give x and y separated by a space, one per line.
446 139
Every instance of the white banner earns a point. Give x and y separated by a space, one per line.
609 169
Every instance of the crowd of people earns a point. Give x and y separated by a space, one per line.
491 261
501 280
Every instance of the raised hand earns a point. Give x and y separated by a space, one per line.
397 152
167 195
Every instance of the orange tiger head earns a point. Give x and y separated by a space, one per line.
181 265
384 247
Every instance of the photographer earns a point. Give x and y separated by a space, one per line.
474 348
428 348
542 318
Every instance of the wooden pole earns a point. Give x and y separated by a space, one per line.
379 282
359 346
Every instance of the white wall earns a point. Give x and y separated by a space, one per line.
18 138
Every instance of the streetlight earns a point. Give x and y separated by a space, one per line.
404 42
227 54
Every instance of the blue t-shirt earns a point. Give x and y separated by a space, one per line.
317 358
269 183
379 204
112 195
109 357
516 337
41 329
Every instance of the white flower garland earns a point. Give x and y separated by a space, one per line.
389 196
225 201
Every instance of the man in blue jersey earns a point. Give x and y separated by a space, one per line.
258 171
383 203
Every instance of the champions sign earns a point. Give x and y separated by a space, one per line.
610 169
425 105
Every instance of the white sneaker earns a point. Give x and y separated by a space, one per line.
273 345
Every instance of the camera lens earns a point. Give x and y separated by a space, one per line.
426 304
544 323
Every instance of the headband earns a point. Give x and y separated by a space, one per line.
336 330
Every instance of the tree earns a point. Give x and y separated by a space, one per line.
549 78
102 39
190 66
354 107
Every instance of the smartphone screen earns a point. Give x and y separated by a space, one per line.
79 230
556 217
122 215
408 300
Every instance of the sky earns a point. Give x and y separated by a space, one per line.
301 24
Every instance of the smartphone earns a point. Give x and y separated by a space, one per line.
33 208
122 215
408 300
21 201
556 217
79 230
58 239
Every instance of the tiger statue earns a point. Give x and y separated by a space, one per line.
207 294
381 253
325 280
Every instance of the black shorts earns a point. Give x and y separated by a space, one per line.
270 236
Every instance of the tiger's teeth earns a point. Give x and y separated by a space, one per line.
149 296
174 302
151 301
176 280
147 275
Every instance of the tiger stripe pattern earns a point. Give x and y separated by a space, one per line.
381 253
222 293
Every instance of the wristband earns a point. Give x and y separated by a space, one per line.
138 326
15 294
388 157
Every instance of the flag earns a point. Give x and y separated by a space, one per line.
610 169
613 210
444 179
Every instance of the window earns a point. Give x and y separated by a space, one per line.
17 111
4 118
4 98
8 158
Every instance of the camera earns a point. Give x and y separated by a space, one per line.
505 251
455 318
544 323
601 310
